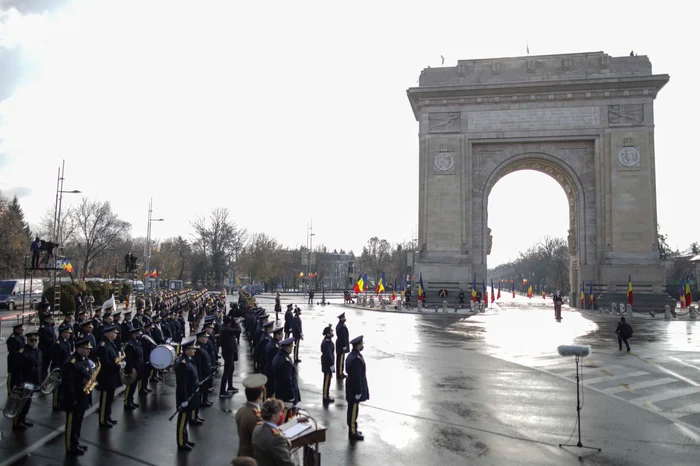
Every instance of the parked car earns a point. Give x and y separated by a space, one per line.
13 291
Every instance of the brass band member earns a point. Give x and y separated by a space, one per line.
26 368
187 386
108 378
327 362
75 374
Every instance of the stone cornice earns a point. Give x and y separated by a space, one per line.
540 91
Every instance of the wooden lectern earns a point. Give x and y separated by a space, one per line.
308 440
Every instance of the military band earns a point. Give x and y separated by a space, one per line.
25 368
76 373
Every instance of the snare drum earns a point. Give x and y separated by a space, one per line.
162 356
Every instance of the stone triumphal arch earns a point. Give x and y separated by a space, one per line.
585 119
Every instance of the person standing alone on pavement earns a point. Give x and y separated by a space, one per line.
624 332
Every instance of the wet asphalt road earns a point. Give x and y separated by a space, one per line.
489 389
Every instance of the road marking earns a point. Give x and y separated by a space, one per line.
666 395
683 411
685 363
637 386
614 377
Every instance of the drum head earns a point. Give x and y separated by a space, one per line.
162 356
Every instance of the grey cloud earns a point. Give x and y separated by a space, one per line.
19 191
32 6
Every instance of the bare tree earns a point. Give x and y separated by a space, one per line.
375 257
220 241
94 230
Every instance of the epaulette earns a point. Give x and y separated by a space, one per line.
256 411
102 343
259 423
287 359
276 431
183 361
72 361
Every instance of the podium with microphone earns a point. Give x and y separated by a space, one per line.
578 352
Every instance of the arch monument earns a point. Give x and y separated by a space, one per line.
585 119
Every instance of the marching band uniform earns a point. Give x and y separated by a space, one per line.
134 361
327 362
297 333
108 378
15 342
202 360
259 363
187 384
356 387
342 346
75 374
285 374
288 318
26 368
148 345
60 352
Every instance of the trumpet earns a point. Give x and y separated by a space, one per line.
92 381
51 382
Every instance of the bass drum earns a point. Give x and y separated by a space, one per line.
163 356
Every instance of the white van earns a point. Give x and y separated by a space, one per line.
12 291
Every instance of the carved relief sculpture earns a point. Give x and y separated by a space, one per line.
444 122
626 114
490 243
573 249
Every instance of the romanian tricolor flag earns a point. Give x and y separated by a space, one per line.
403 286
393 292
69 267
493 293
544 293
359 286
583 294
591 298
529 292
513 290
365 282
301 274
681 294
630 294
421 290
154 273
499 290
688 294
474 288
380 285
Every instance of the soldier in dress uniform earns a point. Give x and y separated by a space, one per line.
134 361
108 378
297 333
121 339
137 321
47 338
248 415
356 387
68 320
97 324
461 297
259 362
25 368
202 360
285 374
126 326
229 352
271 446
78 325
75 374
327 362
86 332
288 318
186 388
60 352
342 346
148 345
271 350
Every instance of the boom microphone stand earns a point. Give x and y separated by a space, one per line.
579 352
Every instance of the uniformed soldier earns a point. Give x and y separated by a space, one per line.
68 320
356 387
60 352
75 374
97 324
148 344
26 368
126 326
248 415
271 350
407 294
285 374
134 362
229 352
297 333
461 297
86 332
288 318
15 342
278 306
271 446
202 360
186 388
47 338
259 362
121 339
137 321
78 325
108 378
327 362
342 346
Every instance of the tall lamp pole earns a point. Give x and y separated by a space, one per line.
56 233
148 238
311 246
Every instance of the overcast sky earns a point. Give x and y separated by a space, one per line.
290 111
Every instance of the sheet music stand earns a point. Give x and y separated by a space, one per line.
308 441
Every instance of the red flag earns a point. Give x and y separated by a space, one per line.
499 291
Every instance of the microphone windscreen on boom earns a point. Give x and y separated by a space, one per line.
574 350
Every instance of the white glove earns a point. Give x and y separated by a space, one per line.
357 397
332 370
184 405
345 348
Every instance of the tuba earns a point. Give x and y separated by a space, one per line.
51 382
18 398
127 379
92 381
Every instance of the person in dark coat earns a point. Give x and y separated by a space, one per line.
297 333
229 352
624 332
285 374
342 346
47 338
26 368
259 362
134 362
271 350
327 362
75 374
356 387
288 318
202 360
148 344
186 387
108 378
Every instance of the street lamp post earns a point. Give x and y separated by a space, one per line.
148 239
56 233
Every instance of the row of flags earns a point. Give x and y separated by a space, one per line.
66 265
152 274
